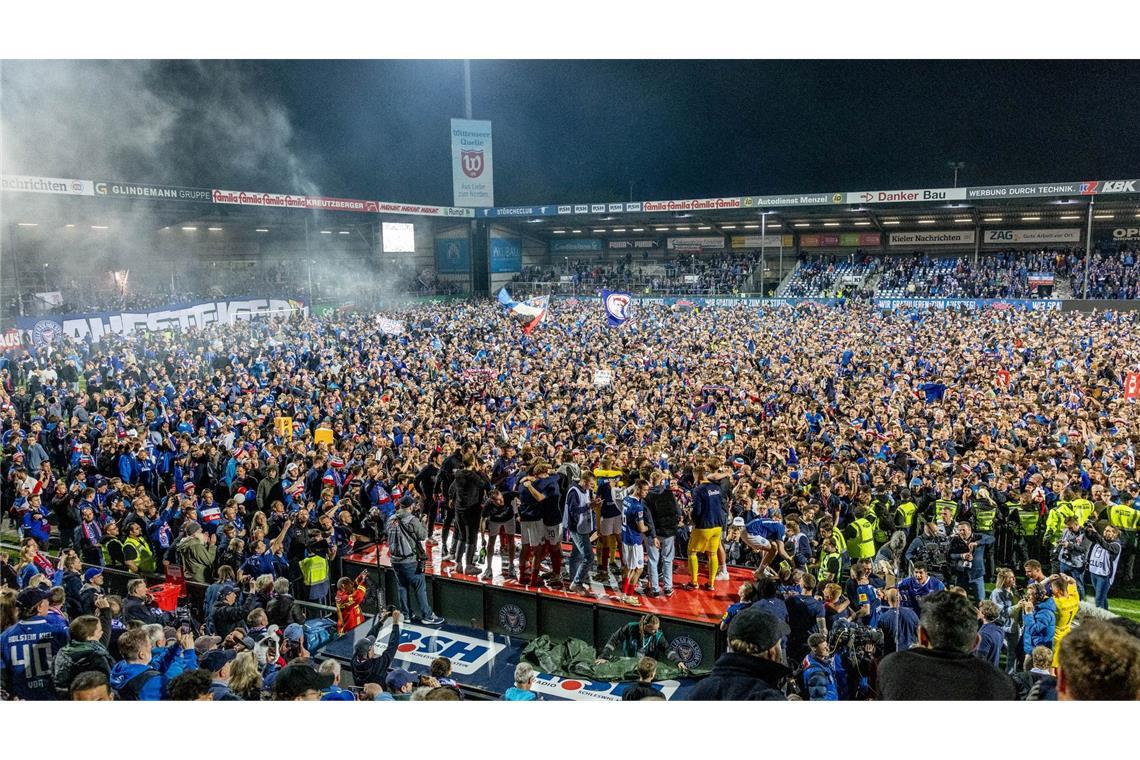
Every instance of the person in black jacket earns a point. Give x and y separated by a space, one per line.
424 484
367 666
646 672
466 496
942 666
443 490
73 585
228 613
666 516
754 667
139 605
281 610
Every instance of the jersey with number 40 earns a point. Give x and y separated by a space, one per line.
27 651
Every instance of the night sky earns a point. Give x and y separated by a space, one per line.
567 131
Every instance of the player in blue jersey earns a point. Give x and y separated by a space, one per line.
29 647
633 540
917 585
766 538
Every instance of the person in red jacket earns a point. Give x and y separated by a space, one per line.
349 596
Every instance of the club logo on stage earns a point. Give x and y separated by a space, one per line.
688 650
472 161
512 619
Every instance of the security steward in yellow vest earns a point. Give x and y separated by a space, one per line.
860 535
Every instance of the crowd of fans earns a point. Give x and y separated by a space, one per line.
1006 274
716 274
1111 274
858 460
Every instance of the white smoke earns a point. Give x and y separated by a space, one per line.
177 123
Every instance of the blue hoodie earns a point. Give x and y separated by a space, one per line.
124 671
1040 626
515 694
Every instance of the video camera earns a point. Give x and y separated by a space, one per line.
855 638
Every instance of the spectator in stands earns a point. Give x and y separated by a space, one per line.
523 690
754 666
91 686
1038 678
219 663
1099 661
192 686
87 650
942 666
299 681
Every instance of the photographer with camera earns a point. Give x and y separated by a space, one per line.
1104 557
858 649
967 558
943 666
929 548
1073 550
367 666
406 535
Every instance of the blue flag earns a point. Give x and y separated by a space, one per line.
617 305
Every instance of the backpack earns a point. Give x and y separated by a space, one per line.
129 692
318 632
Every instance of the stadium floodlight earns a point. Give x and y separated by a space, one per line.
1102 216
326 232
261 229
774 224
728 226
214 229
962 220
1031 219
831 224
598 231
1071 217
752 226
576 232
801 224
703 229
683 229
189 229
619 229
27 224
862 224
926 221
661 229
891 221
72 225
344 232
100 227
638 229
992 219
559 232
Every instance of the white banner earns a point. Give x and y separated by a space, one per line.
695 243
603 377
390 326
472 170
934 237
998 237
692 279
45 330
908 196
53 185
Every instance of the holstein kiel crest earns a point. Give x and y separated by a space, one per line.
617 305
472 162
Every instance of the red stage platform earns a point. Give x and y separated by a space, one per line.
699 606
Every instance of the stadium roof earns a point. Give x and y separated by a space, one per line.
1065 203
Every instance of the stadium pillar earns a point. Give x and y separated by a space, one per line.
15 267
977 241
1088 251
763 248
476 277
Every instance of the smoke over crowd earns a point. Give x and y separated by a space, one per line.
188 123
